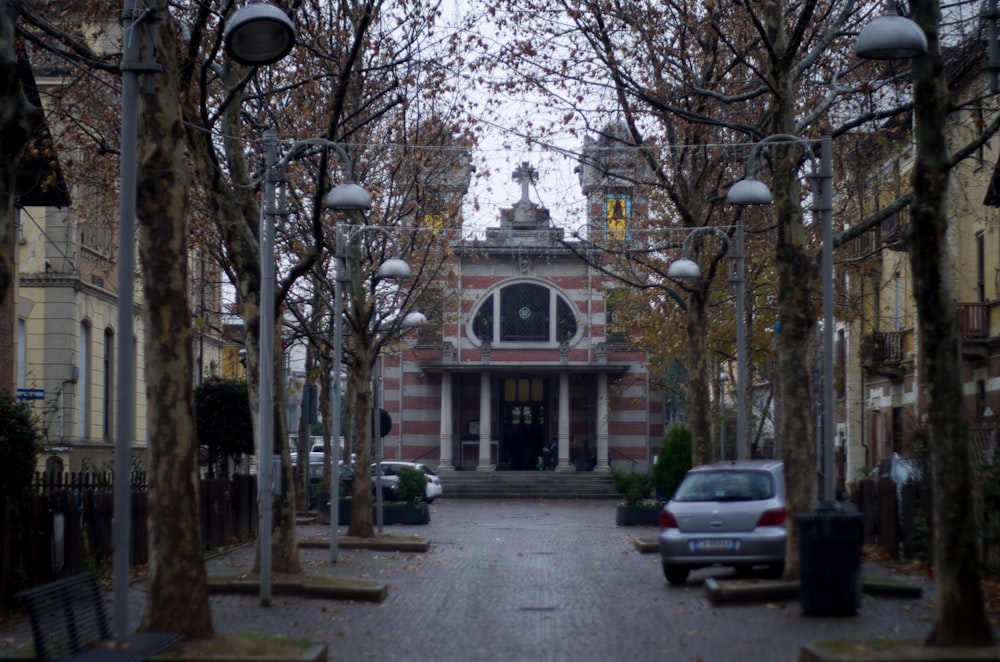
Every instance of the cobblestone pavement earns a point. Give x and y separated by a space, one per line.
537 580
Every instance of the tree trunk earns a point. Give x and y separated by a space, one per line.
699 412
361 509
959 614
8 231
284 540
797 272
331 448
177 599
233 209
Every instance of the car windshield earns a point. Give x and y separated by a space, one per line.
725 486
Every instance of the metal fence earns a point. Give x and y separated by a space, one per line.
64 527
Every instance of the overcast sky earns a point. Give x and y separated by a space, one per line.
501 150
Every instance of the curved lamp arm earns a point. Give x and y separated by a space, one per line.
750 191
751 157
347 196
686 268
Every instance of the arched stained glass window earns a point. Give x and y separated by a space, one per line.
526 314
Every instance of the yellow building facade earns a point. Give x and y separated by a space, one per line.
66 319
882 400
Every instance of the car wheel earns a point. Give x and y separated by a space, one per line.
675 574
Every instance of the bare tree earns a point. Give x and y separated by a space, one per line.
178 590
365 68
959 613
84 37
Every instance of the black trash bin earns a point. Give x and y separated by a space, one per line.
830 560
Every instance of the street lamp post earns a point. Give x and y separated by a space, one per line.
829 538
686 269
393 268
345 197
125 416
256 35
750 191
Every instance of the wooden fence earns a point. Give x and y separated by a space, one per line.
900 520
895 517
65 527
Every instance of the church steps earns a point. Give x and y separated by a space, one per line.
527 485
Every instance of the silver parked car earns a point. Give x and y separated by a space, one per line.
728 513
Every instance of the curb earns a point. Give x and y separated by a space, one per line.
647 545
315 653
892 650
329 588
379 544
751 591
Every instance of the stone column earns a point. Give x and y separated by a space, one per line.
602 423
485 422
447 436
564 464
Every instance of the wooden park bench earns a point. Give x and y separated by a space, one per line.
68 623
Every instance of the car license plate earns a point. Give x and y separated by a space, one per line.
715 544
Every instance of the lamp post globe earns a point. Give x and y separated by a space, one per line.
749 191
348 197
394 268
414 319
258 34
891 38
684 269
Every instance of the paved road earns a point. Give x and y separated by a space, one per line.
538 580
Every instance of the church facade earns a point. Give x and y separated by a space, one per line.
529 372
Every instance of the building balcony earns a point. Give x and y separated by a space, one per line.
882 353
867 244
973 321
894 230
885 352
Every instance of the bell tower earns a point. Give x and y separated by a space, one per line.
609 178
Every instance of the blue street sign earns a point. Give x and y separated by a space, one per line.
30 394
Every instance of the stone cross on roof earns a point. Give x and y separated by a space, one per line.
525 175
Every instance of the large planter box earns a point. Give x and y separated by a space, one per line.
392 513
406 513
641 515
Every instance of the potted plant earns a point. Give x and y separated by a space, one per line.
673 461
637 508
409 505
